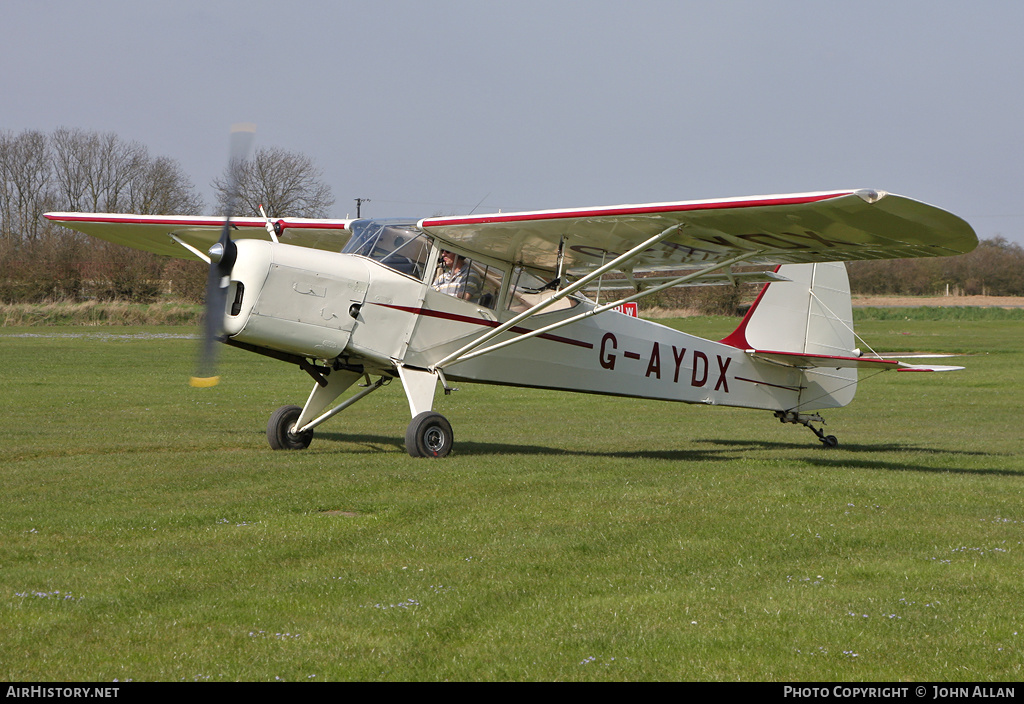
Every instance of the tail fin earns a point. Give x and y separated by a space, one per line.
811 313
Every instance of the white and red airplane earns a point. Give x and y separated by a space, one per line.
500 299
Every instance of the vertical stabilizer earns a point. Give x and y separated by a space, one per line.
811 313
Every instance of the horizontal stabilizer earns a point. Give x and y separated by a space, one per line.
927 368
812 361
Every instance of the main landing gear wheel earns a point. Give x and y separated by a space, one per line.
280 427
429 435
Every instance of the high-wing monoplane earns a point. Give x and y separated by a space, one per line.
510 298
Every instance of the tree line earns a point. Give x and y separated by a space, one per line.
994 268
87 171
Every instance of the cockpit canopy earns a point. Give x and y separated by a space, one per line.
396 243
400 245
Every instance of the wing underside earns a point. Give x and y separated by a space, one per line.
798 228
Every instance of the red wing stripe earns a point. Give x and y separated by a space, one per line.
633 210
190 221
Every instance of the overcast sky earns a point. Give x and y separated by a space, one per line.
438 107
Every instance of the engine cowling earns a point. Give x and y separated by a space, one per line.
294 299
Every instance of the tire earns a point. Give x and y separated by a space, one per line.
429 435
830 441
279 430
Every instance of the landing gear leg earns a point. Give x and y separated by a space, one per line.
806 419
429 434
291 427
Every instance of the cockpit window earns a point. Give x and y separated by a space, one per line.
469 280
398 244
528 289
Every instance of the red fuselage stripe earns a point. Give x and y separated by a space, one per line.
486 323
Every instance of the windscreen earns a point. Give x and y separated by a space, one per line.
397 244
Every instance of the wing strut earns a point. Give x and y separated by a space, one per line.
190 248
593 311
573 288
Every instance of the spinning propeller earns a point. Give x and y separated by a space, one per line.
222 258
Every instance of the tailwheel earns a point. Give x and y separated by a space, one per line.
281 427
806 419
429 435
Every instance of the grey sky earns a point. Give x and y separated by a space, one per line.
430 107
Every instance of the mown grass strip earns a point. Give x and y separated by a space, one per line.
936 313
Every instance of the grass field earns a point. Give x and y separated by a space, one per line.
148 532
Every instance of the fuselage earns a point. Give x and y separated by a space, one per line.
360 310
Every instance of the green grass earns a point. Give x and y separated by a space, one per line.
149 533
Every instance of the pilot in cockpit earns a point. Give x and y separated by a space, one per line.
457 277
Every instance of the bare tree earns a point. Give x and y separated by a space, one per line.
286 184
162 187
102 173
26 189
95 171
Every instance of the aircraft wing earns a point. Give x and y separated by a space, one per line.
153 232
805 227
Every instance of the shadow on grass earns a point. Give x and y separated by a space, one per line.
839 457
905 467
726 452
469 448
843 447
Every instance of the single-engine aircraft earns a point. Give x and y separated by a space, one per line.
500 299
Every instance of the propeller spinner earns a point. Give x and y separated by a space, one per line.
222 258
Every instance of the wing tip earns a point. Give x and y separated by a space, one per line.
870 195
